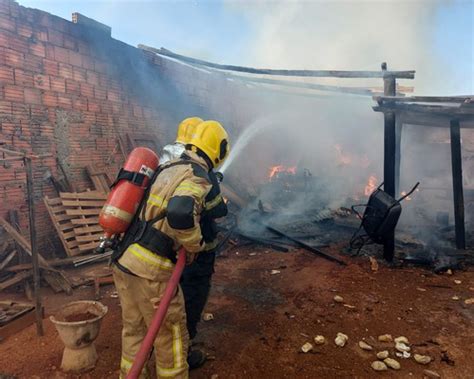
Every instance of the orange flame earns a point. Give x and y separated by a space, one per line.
276 169
371 185
342 158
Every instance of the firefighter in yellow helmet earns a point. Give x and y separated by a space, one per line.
185 131
168 218
196 278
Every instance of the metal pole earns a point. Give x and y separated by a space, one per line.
34 247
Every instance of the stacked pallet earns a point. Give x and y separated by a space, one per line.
76 219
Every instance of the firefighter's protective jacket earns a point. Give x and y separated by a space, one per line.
214 208
181 190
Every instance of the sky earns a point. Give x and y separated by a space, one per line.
434 37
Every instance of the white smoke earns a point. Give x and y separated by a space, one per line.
359 35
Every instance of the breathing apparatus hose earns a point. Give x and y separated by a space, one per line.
158 317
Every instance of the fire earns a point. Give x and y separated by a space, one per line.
403 193
274 170
346 159
342 158
371 185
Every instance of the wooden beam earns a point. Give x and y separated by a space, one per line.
458 195
19 277
425 99
280 72
390 160
34 247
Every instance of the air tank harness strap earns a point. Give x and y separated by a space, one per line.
133 177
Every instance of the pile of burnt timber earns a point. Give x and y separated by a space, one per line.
55 278
270 229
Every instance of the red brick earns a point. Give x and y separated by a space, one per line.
92 77
50 99
65 71
87 62
93 106
137 111
79 74
5 107
32 96
61 54
24 30
50 52
14 93
41 34
42 81
100 93
58 84
5 38
80 103
5 7
7 23
33 63
100 66
87 90
38 49
18 44
83 48
113 95
23 78
72 86
6 75
50 67
13 58
75 58
55 37
64 102
70 43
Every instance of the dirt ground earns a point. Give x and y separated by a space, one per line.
261 320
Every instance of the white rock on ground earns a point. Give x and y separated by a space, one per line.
402 339
338 299
382 354
208 316
385 338
319 340
306 347
400 346
341 339
392 363
422 359
469 301
365 346
431 374
378 366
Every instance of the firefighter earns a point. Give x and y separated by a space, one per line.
185 129
169 219
196 279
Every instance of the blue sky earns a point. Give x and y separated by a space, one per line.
229 31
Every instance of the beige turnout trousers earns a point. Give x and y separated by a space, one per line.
138 297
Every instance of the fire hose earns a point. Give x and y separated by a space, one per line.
158 317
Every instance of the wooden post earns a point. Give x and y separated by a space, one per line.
458 195
390 149
398 147
34 247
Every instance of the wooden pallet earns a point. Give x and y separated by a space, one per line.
99 177
63 224
84 209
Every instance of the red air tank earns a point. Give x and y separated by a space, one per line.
128 191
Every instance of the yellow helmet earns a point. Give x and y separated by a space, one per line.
212 139
186 129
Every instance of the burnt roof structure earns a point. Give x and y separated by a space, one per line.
453 112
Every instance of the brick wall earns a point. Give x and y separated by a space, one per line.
70 91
